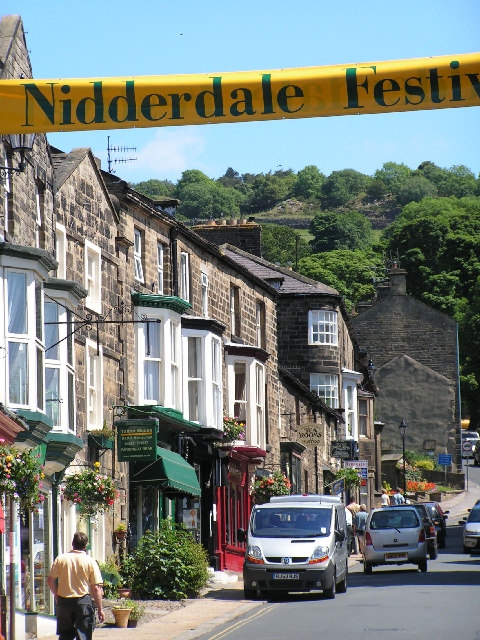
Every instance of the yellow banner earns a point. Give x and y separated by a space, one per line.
156 101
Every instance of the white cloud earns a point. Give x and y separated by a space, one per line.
169 152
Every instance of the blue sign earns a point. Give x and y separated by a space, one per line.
445 459
338 486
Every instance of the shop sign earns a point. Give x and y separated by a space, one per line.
310 434
137 439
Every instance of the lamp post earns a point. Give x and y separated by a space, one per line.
402 427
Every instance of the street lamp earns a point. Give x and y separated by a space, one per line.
21 142
402 427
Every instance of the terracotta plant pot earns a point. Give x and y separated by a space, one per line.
121 617
132 623
124 592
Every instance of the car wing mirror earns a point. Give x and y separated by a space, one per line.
340 535
241 535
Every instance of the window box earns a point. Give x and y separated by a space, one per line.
100 441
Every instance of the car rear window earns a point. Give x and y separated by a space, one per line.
401 519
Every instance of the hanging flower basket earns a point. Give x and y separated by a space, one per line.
277 484
91 491
233 429
21 476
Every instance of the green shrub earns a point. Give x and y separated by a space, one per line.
167 564
111 577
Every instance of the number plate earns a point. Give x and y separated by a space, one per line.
286 576
395 556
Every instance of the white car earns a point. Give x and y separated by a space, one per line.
471 437
471 531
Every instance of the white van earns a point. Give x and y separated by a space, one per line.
296 543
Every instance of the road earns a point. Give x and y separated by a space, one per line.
397 603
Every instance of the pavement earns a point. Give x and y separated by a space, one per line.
223 600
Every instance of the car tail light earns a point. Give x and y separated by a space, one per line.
432 532
421 536
368 539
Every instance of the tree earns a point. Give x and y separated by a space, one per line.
268 190
189 177
333 230
351 273
155 188
415 189
393 175
208 200
342 186
283 245
309 183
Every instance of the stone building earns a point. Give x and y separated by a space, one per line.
415 351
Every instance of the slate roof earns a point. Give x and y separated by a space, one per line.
284 280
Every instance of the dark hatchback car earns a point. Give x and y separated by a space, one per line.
439 517
428 525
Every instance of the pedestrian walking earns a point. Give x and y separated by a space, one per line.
398 497
360 522
73 579
385 498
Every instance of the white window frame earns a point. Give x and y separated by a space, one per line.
175 365
61 250
204 293
28 341
65 369
39 214
93 277
94 385
325 385
209 382
185 276
160 271
254 405
137 256
170 361
350 381
323 327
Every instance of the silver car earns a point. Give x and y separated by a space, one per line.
394 535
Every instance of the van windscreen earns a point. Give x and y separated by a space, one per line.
291 522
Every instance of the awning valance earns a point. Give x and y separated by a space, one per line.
170 472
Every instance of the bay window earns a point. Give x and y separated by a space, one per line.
24 333
322 327
325 385
202 361
246 392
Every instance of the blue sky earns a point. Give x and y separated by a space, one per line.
154 37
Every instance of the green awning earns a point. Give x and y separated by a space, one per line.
170 472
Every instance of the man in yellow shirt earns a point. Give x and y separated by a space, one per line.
74 578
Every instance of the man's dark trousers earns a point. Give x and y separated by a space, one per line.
75 618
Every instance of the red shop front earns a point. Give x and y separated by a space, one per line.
233 504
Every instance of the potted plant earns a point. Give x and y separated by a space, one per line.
233 429
121 612
276 484
91 491
138 609
120 532
101 438
21 476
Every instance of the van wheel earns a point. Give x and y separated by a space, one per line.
331 591
342 585
249 594
367 568
423 566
